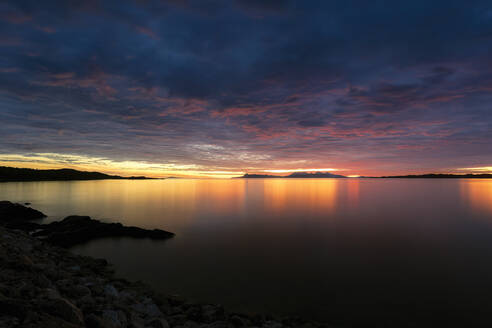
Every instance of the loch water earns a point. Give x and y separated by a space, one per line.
361 252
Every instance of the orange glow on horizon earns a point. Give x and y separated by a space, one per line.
129 168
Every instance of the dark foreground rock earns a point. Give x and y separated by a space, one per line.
43 286
12 212
79 229
72 230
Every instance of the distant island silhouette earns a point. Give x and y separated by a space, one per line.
330 175
440 176
293 175
13 174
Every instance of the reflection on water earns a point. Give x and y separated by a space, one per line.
478 193
353 251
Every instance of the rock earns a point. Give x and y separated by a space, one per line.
72 230
93 321
116 319
158 323
87 300
25 262
177 319
211 313
136 320
219 324
237 321
11 212
77 291
63 308
272 324
45 320
45 286
9 321
127 296
110 291
75 268
191 324
147 309
79 229
13 307
51 293
42 281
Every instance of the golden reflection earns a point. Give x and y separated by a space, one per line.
353 191
220 197
284 196
478 193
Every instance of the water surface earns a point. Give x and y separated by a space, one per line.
352 251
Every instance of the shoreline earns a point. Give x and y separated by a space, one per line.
43 285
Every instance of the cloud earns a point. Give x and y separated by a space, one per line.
278 81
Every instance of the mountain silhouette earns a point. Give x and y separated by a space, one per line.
20 174
293 175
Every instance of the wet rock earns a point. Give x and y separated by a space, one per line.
63 308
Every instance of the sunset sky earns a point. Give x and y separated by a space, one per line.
220 88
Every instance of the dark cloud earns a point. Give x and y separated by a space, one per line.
157 79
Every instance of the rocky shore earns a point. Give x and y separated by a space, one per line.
72 230
43 285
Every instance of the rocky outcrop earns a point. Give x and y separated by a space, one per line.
43 286
79 229
72 230
12 212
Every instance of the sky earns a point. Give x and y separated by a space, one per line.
220 88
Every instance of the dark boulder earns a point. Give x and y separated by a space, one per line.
79 229
72 230
11 212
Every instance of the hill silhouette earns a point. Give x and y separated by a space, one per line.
11 174
441 176
293 175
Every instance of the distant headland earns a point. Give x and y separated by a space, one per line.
332 176
13 174
441 176
294 175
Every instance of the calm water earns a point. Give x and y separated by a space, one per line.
351 251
